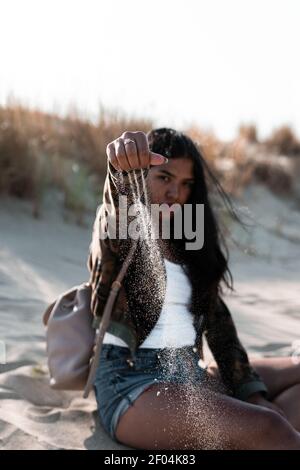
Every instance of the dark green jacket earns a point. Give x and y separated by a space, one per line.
141 297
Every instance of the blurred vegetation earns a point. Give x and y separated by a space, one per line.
273 162
41 151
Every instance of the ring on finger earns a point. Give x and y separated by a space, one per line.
129 141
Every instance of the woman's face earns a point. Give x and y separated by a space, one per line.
171 183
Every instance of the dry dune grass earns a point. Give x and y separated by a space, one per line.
273 162
40 150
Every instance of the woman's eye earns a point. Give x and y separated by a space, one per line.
166 179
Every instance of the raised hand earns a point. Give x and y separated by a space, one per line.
131 151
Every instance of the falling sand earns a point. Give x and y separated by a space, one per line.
196 388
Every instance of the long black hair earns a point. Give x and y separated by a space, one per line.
208 266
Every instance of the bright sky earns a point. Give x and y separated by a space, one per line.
215 63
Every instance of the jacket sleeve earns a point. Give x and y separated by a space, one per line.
104 248
232 359
129 185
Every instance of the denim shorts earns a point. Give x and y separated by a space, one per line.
121 379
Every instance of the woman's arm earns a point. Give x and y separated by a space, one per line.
128 152
232 359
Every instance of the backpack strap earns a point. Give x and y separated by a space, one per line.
114 290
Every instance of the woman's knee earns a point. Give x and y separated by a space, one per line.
277 433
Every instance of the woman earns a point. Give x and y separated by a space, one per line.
152 387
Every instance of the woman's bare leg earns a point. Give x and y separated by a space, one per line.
282 378
278 373
289 402
172 416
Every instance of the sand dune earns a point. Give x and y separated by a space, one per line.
41 258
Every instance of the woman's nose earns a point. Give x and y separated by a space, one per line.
173 192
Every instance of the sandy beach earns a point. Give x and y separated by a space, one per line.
40 258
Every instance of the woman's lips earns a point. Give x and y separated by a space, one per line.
171 203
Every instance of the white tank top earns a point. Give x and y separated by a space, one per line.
174 327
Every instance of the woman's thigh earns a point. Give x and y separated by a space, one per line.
176 416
